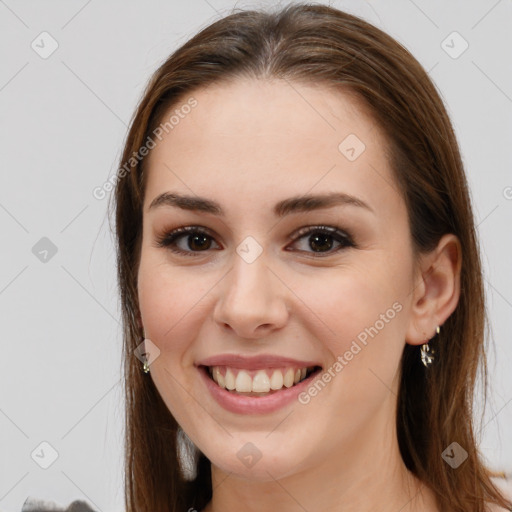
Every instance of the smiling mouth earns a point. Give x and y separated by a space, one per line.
263 382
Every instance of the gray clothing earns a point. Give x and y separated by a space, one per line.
37 505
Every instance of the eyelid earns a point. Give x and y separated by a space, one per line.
333 230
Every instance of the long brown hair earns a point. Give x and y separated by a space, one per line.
310 43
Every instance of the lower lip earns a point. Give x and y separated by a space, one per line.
256 404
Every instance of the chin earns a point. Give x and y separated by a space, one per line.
256 457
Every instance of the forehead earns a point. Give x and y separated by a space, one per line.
261 140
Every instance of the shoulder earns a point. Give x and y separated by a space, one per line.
505 486
33 504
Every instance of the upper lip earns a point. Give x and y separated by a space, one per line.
254 362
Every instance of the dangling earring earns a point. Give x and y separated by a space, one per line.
427 357
141 353
146 365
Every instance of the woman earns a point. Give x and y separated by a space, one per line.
227 264
300 278
304 204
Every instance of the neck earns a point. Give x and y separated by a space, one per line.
386 491
363 475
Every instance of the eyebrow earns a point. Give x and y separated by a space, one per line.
296 204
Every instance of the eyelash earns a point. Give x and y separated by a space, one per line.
168 239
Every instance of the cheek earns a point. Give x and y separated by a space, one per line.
353 302
364 317
172 303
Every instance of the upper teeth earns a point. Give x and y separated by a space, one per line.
262 381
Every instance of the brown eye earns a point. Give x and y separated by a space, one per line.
187 240
198 242
321 240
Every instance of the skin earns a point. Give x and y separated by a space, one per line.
247 145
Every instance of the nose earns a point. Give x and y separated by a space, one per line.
252 300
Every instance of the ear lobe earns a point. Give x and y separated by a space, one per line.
437 290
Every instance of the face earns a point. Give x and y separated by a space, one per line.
261 272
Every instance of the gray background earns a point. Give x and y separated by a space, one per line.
63 122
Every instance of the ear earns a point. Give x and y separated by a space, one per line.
436 289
